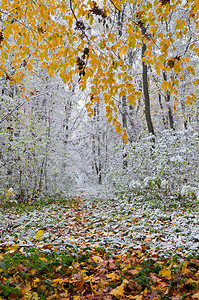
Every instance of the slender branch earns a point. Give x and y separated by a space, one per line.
16 20
8 114
72 10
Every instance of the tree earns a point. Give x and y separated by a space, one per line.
80 37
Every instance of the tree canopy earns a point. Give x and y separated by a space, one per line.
105 43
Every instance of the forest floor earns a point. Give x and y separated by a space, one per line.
99 248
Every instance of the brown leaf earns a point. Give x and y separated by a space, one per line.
79 284
154 278
1 37
111 265
154 296
171 63
134 286
133 272
195 261
177 297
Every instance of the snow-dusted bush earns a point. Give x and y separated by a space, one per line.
189 191
166 167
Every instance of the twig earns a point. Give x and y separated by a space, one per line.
8 114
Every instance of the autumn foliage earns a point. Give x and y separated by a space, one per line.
71 38
72 267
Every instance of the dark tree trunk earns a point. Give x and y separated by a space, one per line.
146 89
162 109
168 98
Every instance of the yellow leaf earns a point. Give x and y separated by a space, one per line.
123 51
138 297
119 290
27 292
132 99
189 100
39 234
125 137
96 258
42 258
109 118
59 281
185 270
13 247
7 193
112 276
19 41
166 272
34 296
29 67
195 296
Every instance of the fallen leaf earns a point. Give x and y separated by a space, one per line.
166 272
39 234
98 259
133 272
76 298
185 270
34 296
13 247
154 296
195 296
154 278
119 290
42 258
112 276
177 297
79 284
138 297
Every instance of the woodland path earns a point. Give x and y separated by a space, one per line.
88 247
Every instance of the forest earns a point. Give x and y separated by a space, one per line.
99 149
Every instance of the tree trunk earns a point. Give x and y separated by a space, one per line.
146 89
162 111
124 124
168 98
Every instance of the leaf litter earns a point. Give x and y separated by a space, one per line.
116 249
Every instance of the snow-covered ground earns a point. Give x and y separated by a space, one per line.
118 225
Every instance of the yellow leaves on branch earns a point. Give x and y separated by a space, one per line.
125 137
180 24
123 51
190 99
167 86
133 97
191 70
